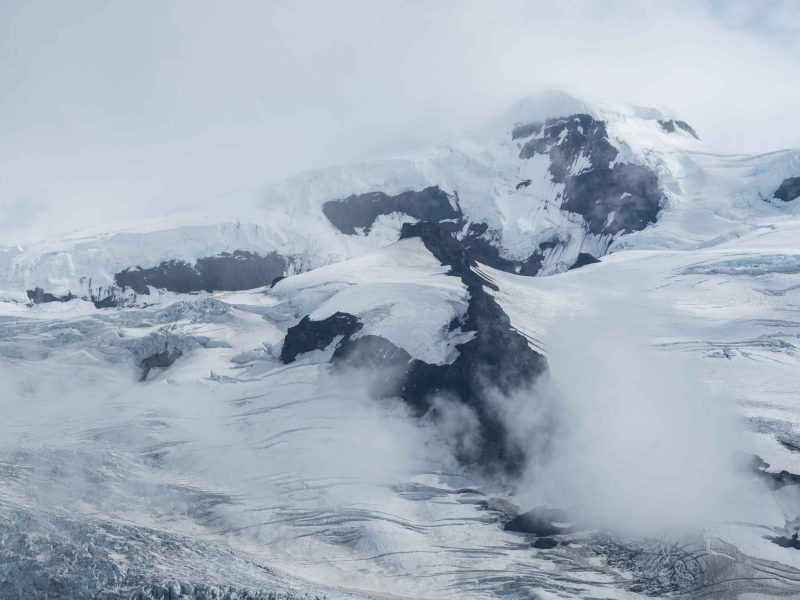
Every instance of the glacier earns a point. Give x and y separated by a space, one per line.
556 358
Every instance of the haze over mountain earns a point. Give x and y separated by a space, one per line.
134 110
554 356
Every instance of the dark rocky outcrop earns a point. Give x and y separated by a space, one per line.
565 139
775 480
541 522
161 359
239 270
310 335
545 543
525 130
104 297
584 258
614 199
624 198
785 542
788 190
670 125
112 300
359 211
39 296
496 362
482 250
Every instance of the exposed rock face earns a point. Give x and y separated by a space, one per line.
225 272
103 298
614 198
310 335
545 543
239 270
526 130
360 211
786 542
39 296
541 522
671 125
583 260
788 190
773 480
496 362
565 139
623 198
618 198
481 248
497 359
161 359
523 184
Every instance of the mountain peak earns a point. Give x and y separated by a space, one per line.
542 106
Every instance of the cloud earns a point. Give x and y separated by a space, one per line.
127 110
638 443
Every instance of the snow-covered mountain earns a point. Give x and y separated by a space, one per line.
549 180
556 358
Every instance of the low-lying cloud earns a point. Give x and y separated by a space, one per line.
638 443
131 110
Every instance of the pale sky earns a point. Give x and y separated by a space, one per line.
125 110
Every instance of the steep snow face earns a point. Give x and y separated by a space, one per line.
550 179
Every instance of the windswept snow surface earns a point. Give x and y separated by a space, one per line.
161 448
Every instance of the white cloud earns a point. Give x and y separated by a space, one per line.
122 110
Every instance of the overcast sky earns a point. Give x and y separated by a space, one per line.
119 110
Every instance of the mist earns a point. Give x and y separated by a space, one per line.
627 437
133 110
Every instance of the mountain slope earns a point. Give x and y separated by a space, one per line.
533 190
413 378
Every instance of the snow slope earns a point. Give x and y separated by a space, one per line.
444 424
